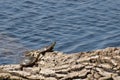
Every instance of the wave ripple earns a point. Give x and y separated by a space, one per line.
76 25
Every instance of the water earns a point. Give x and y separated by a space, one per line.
76 25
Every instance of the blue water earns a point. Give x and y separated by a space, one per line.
76 25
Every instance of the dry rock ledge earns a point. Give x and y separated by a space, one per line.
103 64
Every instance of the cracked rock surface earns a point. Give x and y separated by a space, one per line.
103 64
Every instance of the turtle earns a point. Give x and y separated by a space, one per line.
30 61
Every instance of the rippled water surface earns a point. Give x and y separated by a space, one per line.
76 25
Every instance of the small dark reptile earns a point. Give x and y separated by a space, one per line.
30 61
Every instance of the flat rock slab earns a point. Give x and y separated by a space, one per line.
103 64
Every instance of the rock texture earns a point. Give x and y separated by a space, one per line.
101 64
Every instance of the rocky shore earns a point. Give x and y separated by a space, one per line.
103 64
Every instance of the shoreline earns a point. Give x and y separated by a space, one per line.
101 64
